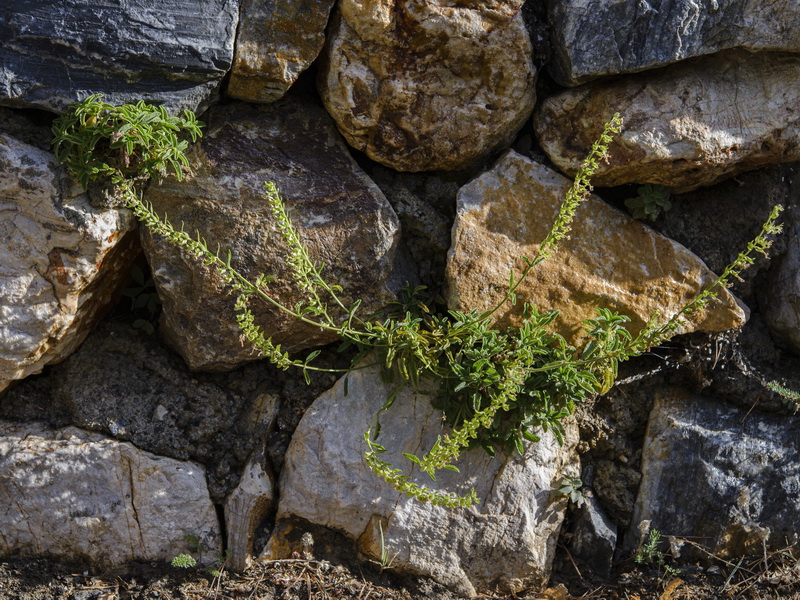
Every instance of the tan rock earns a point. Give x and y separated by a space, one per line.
421 85
81 496
342 216
610 260
686 126
62 260
506 542
276 41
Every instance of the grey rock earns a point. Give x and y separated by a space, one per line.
167 52
341 215
726 476
62 260
423 85
780 298
594 537
276 41
83 497
689 125
505 542
595 38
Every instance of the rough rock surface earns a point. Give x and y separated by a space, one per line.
166 51
277 40
686 126
341 215
507 541
82 497
716 223
421 85
610 260
62 261
594 537
780 297
594 38
723 475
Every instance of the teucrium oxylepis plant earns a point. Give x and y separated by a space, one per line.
496 388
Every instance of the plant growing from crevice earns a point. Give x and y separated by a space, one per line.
650 202
572 489
790 397
496 388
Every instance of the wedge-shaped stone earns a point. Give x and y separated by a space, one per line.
172 52
505 542
62 260
593 38
686 126
726 476
609 261
276 41
342 216
421 85
83 497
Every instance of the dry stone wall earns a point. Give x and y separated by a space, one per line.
420 141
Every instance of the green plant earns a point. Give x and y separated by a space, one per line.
650 202
649 554
184 561
571 488
790 397
497 389
386 561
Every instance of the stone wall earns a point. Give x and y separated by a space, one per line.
420 141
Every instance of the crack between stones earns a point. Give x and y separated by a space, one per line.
133 501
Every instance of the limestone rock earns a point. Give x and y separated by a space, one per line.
726 476
277 40
505 542
421 85
686 126
173 52
62 261
82 497
594 38
610 260
341 215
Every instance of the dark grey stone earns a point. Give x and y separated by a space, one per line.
174 52
593 38
594 536
720 476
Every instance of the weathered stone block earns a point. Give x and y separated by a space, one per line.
505 542
609 261
82 497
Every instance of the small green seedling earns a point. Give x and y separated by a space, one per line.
650 203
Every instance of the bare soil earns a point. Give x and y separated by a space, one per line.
775 576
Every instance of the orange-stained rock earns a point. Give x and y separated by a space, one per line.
686 126
419 85
276 41
61 260
610 260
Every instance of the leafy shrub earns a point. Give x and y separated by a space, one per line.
497 388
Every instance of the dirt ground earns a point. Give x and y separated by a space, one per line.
775 576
